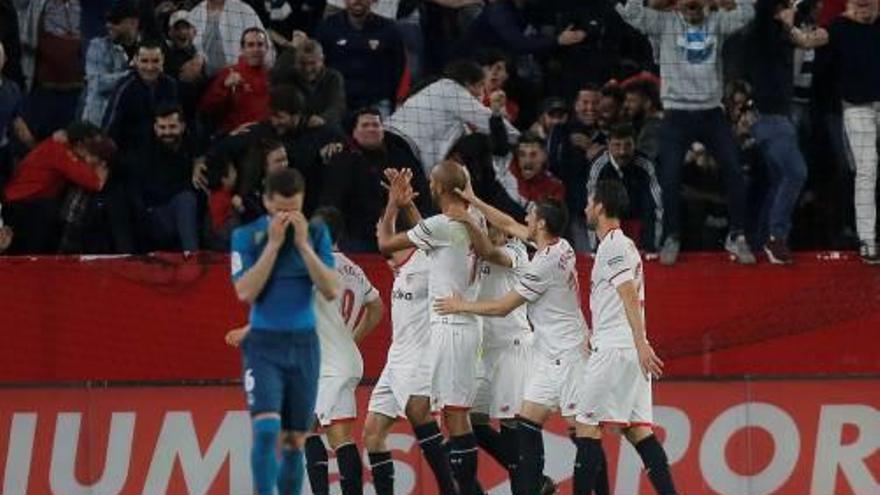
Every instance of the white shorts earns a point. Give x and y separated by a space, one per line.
336 399
555 382
501 379
397 383
615 391
453 355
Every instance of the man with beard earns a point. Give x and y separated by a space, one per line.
322 87
163 196
642 108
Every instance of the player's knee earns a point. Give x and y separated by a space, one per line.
338 434
636 434
295 440
587 431
457 421
266 430
374 438
418 410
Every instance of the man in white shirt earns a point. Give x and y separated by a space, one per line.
220 25
617 381
455 339
549 284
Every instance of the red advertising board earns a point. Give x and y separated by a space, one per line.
163 318
802 437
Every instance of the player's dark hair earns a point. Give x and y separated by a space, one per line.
334 221
611 194
288 182
554 213
622 130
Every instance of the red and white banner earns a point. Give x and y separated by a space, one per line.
802 437
163 318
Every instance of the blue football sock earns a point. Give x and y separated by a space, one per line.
264 457
290 478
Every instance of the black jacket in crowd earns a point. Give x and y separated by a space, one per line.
352 183
371 60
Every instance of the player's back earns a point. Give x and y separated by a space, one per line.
356 290
617 261
550 283
495 282
286 301
410 308
453 265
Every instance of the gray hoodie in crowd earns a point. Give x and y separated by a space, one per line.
689 56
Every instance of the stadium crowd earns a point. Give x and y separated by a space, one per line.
135 126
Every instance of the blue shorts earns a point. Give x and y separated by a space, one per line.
281 372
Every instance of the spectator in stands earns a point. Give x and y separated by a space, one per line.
129 116
323 88
642 108
220 27
494 65
33 197
573 146
533 179
772 39
554 111
691 92
163 195
6 235
10 39
368 51
263 157
11 121
433 118
185 64
644 220
284 19
239 94
352 179
52 62
108 58
610 106
502 25
855 37
308 149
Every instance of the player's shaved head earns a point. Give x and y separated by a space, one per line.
449 175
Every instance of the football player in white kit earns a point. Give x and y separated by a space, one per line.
404 387
340 327
455 339
506 349
549 285
617 381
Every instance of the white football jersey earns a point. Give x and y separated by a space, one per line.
357 290
336 319
495 282
617 261
550 284
410 334
453 264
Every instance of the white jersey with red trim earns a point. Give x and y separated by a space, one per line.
336 319
550 284
495 282
617 261
453 264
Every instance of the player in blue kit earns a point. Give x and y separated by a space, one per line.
276 262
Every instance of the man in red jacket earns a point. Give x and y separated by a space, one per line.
529 167
239 94
32 198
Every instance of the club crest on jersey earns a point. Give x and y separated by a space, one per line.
399 294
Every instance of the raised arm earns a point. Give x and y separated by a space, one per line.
495 216
250 281
732 21
646 20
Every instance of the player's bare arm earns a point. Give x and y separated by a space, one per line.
480 240
373 311
651 364
324 277
399 186
485 307
388 241
495 216
249 286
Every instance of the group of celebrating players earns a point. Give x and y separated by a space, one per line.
479 332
